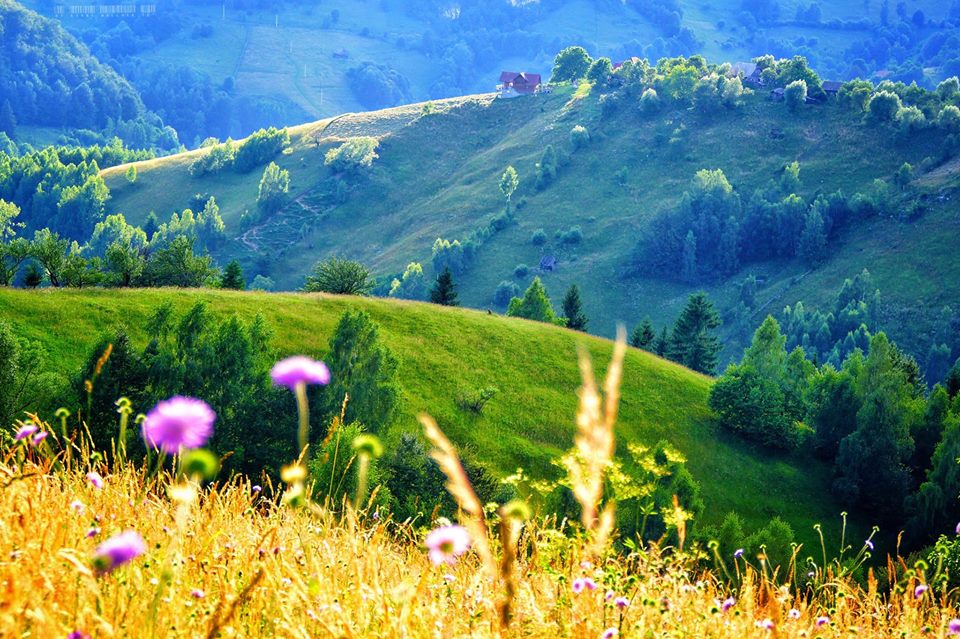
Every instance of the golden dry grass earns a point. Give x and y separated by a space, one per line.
314 575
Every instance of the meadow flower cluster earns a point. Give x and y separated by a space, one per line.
126 551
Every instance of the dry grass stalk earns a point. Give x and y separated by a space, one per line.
509 535
594 440
459 486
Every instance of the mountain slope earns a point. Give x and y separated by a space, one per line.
437 177
50 80
445 351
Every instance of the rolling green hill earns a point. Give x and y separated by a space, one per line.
437 177
444 351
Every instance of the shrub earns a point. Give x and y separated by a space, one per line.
260 147
573 235
352 155
884 107
579 137
538 238
474 401
649 101
795 94
911 119
505 292
521 271
949 119
339 276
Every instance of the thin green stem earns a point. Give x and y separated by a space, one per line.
303 434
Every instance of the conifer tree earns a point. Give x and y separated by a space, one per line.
662 343
643 335
444 292
693 342
534 305
233 277
573 310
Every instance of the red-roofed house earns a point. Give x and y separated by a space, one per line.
519 83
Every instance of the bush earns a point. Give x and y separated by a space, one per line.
340 277
521 271
475 401
884 107
795 95
573 235
352 155
259 148
649 102
949 119
539 238
505 292
579 137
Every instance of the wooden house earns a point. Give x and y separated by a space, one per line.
513 83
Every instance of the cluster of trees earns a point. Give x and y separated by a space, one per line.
692 341
535 305
377 86
47 78
174 253
713 231
61 188
893 446
261 147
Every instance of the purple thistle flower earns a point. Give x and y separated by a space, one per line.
958 527
822 621
256 488
299 370
78 634
77 506
728 603
446 543
178 423
589 583
794 613
39 437
610 633
621 602
577 586
766 624
953 628
738 553
95 479
196 593
25 431
919 590
118 550
868 544
93 532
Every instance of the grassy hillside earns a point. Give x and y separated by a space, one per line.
286 53
444 351
437 176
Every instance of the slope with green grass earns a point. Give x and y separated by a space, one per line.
445 351
437 176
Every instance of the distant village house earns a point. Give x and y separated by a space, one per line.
513 84
749 72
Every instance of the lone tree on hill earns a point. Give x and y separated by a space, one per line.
795 95
693 342
233 277
339 276
509 183
570 65
573 310
444 292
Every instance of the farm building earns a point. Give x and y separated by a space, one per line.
832 88
513 84
748 71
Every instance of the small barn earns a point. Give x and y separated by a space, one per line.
832 88
341 54
513 83
548 263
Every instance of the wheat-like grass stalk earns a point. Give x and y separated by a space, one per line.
459 486
594 441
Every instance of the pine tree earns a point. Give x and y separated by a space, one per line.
233 277
444 292
692 343
573 310
813 240
534 305
643 335
662 343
